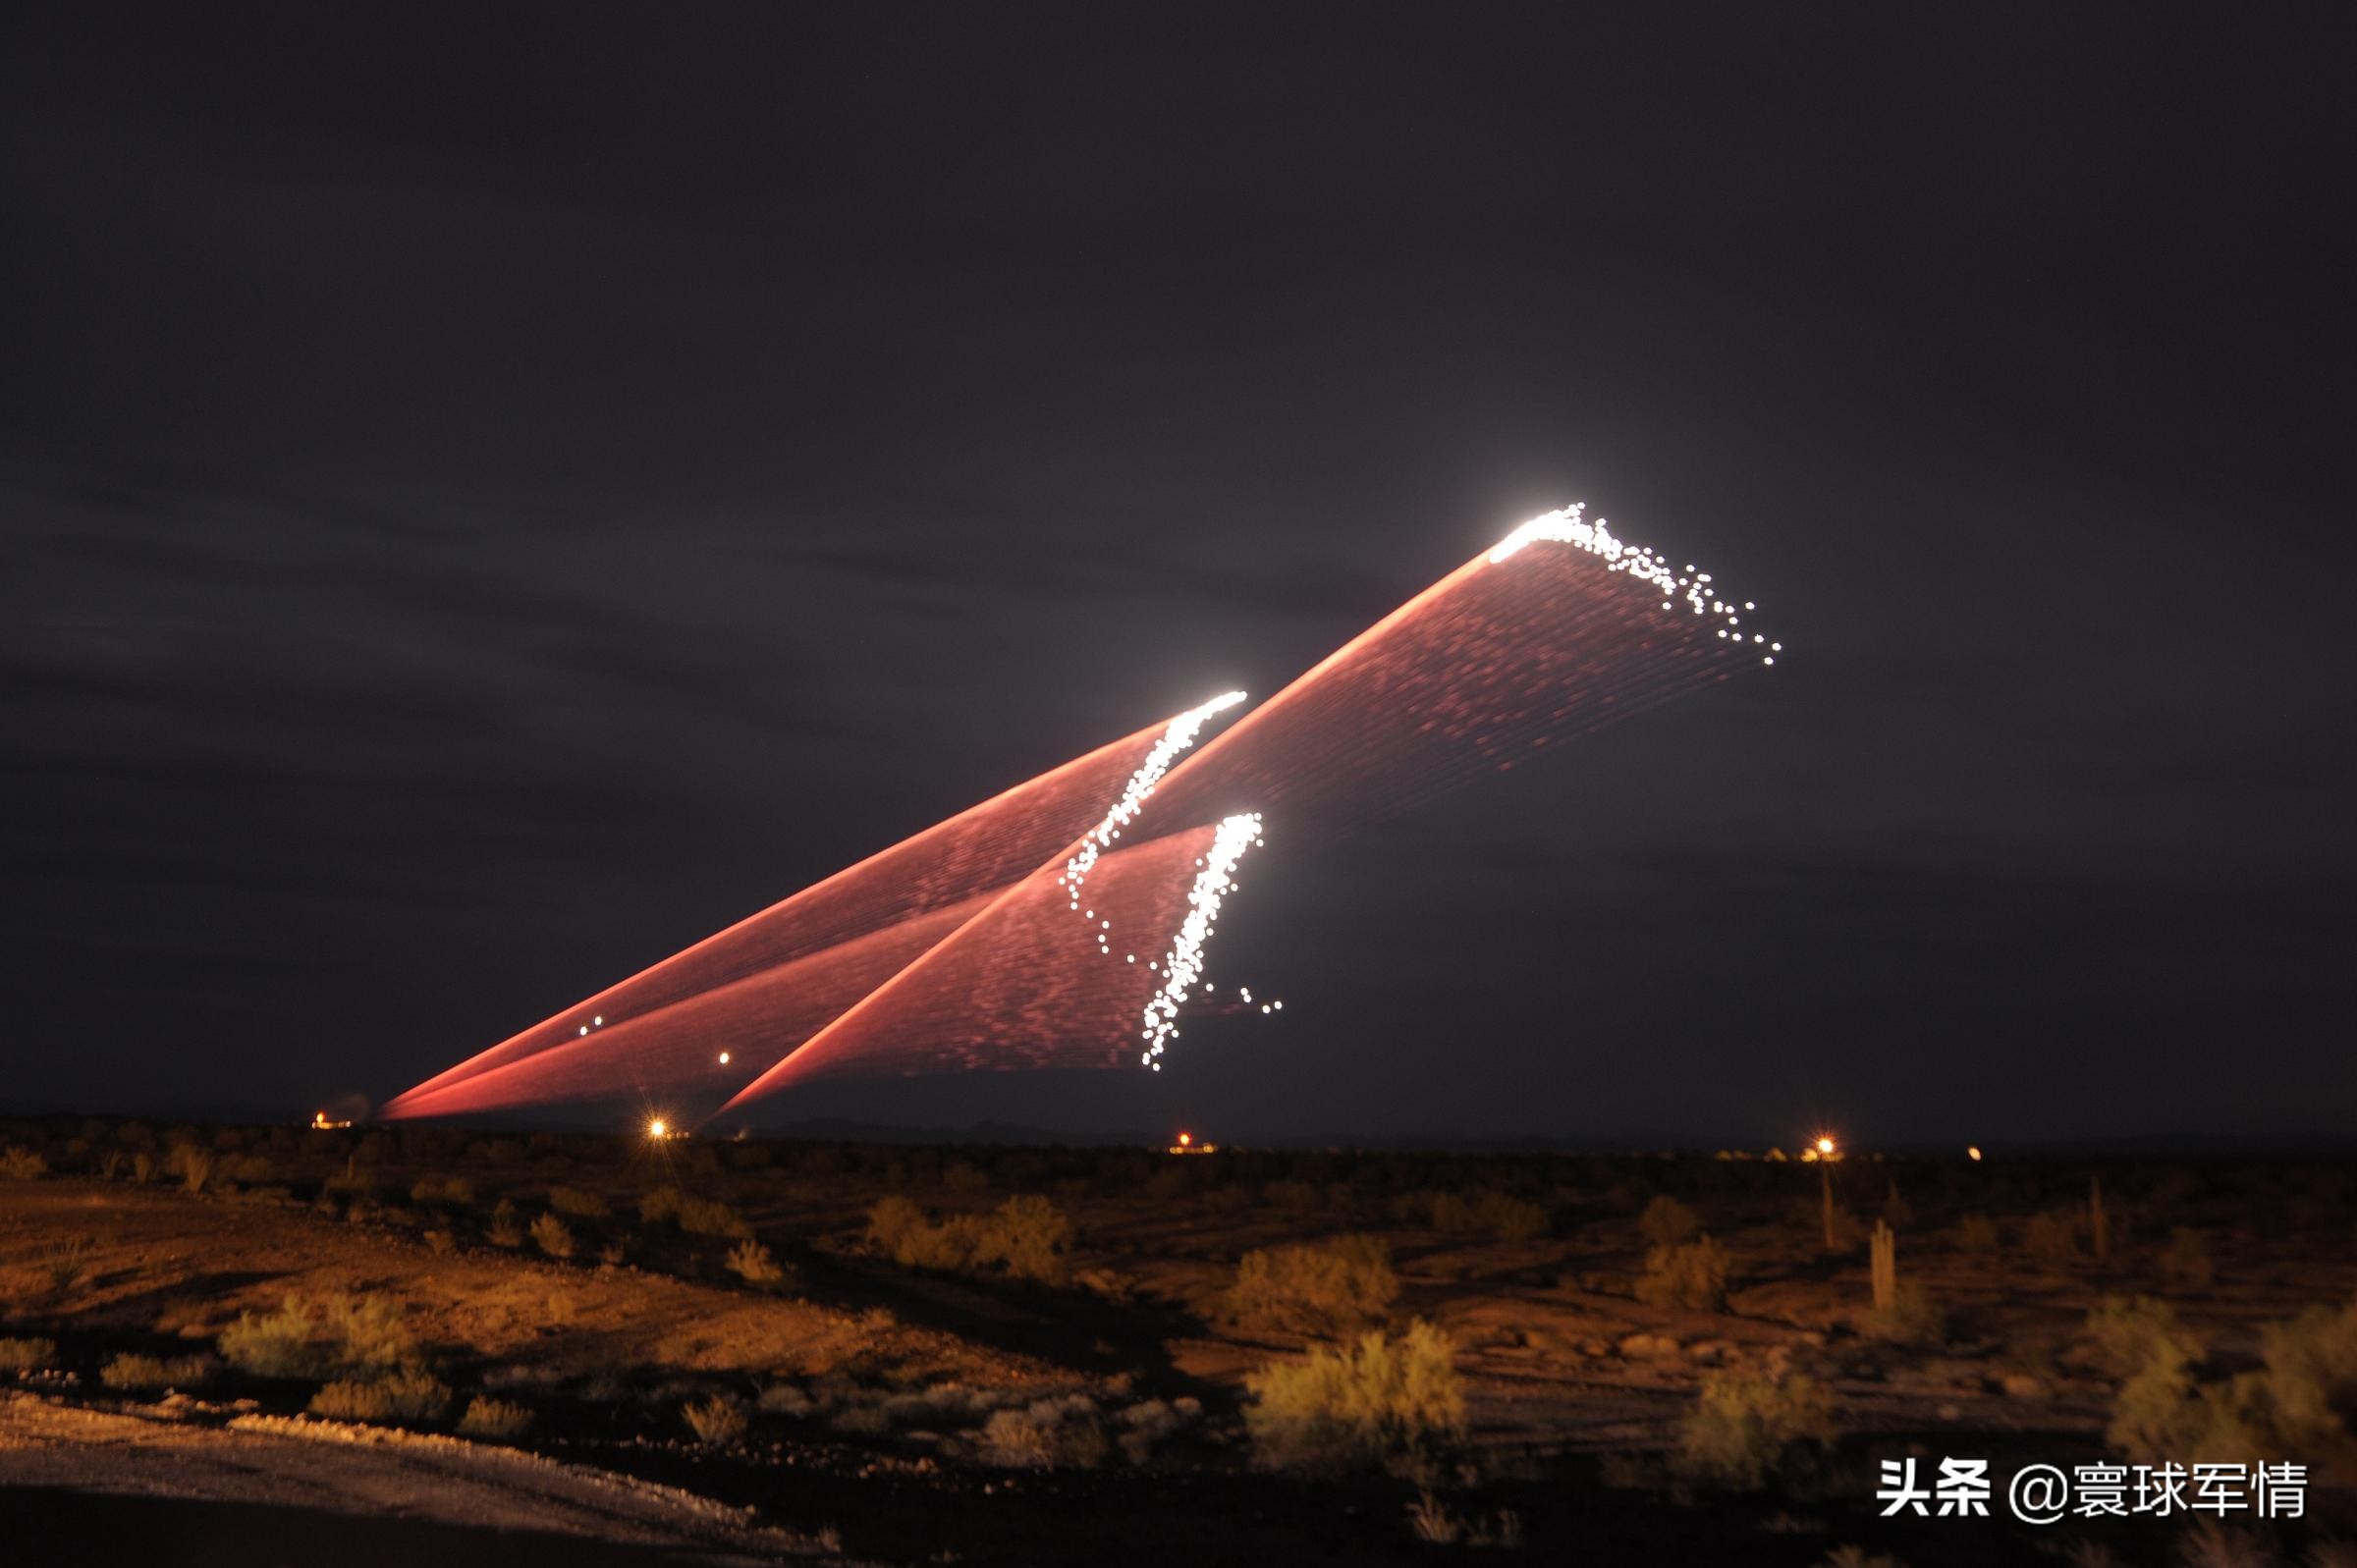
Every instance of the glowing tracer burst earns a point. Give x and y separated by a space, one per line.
1184 965
1569 525
1176 739
941 951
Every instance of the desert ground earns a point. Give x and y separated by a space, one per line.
266 1344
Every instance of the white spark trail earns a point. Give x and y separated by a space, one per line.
1184 965
1568 526
1176 739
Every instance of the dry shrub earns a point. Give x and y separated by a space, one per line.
551 1236
709 1217
1024 1237
1435 1523
401 1396
1379 1401
504 1231
486 1416
659 1204
137 1374
1667 1223
753 1263
1486 1213
2185 1261
577 1203
1913 1317
1691 1275
20 1164
1059 1434
2051 1238
323 1337
449 1192
1294 1197
1745 1428
716 1422
1976 1236
27 1355
1332 1287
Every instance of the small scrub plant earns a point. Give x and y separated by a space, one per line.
1435 1524
504 1231
1691 1275
20 1164
708 1216
1911 1317
1667 1223
2185 1261
1745 1428
67 1263
1377 1402
1024 1237
2051 1238
193 1164
402 1396
494 1419
1332 1287
1062 1434
137 1374
2294 1407
321 1337
27 1355
442 1192
717 1422
550 1235
659 1204
1976 1236
575 1202
753 1263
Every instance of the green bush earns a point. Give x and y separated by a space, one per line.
1378 1401
320 1338
1667 1223
1745 1428
1332 1287
1691 1275
399 1396
27 1355
486 1416
139 1374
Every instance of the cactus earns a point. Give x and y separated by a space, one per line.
1885 1267
2099 1230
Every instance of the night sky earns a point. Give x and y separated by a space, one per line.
489 499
